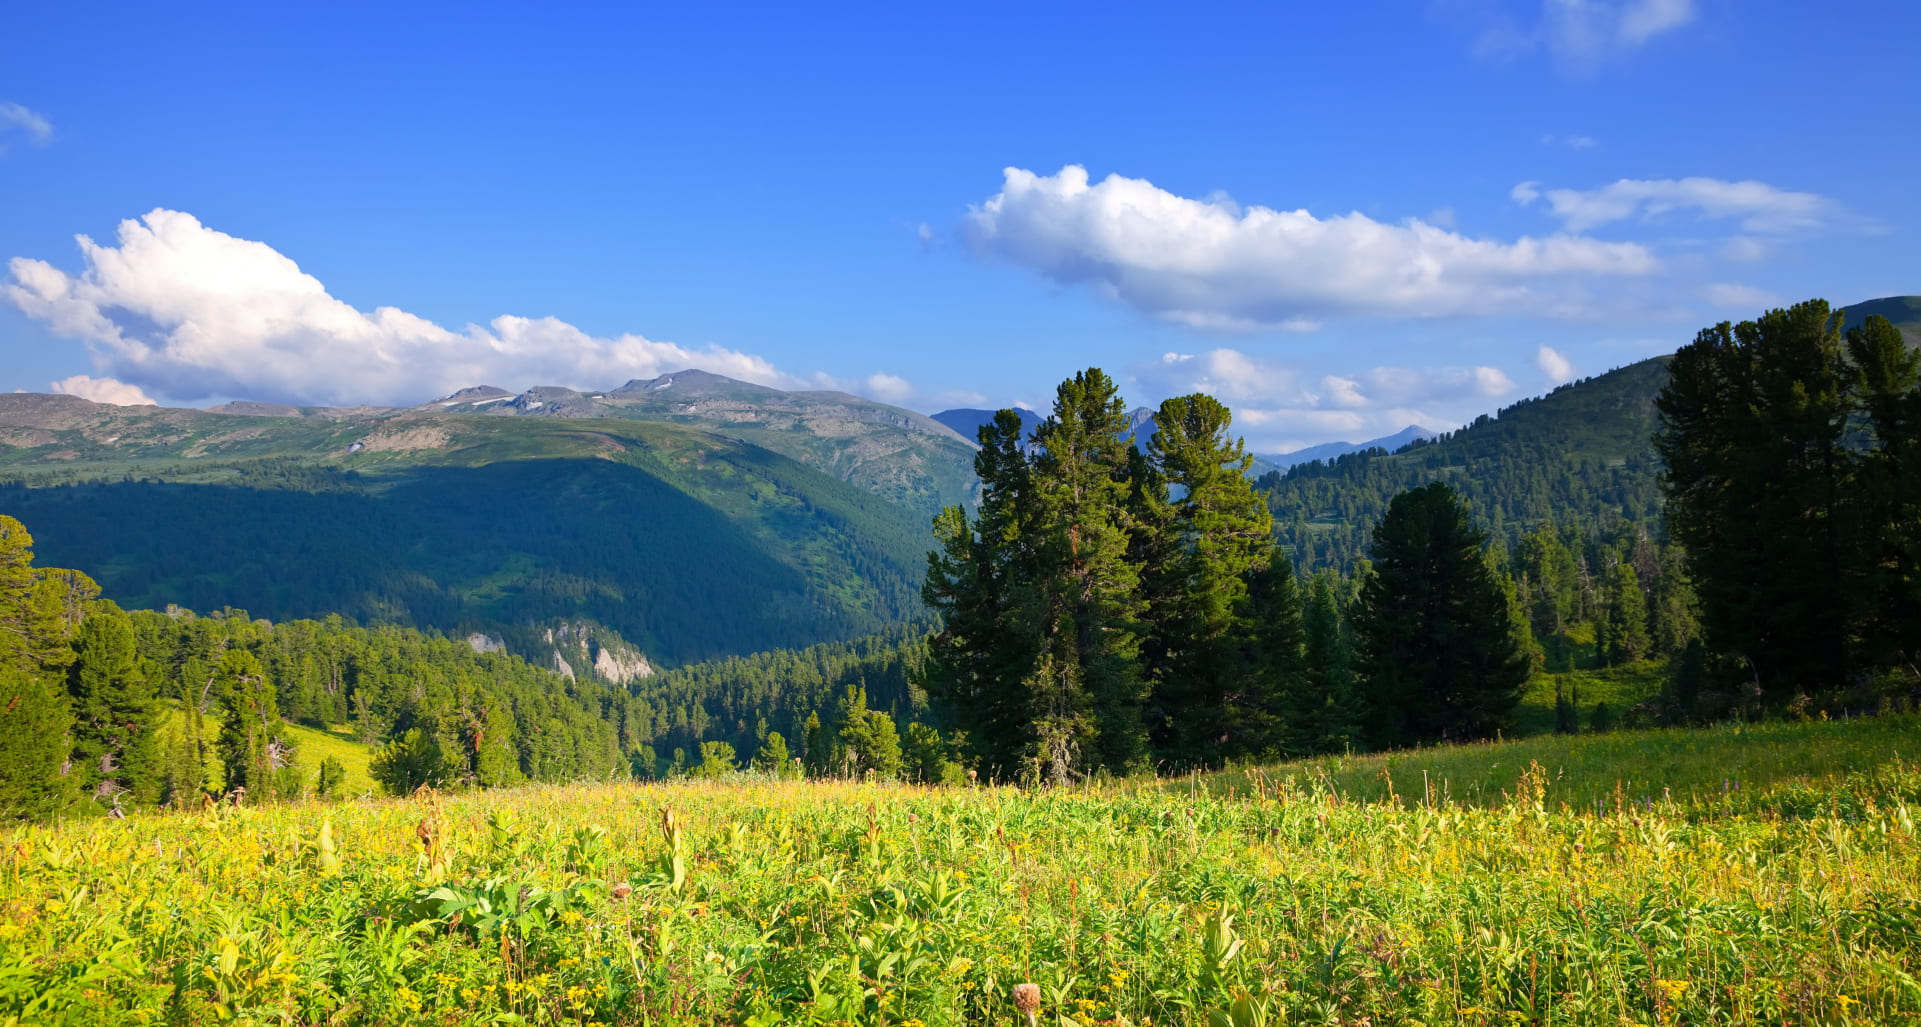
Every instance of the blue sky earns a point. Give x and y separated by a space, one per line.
1340 218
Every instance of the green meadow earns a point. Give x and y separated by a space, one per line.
1594 879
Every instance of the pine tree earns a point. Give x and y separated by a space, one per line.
1086 687
1626 637
116 743
249 750
39 607
34 726
1211 701
1282 705
1439 658
772 757
981 582
1329 718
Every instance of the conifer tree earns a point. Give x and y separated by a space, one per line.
1887 375
1626 637
34 737
1752 425
981 582
1086 688
248 746
1282 706
116 744
772 757
1437 647
1211 699
1329 719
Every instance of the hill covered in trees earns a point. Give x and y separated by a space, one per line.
1580 457
686 544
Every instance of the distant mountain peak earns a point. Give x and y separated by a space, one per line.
1330 450
471 394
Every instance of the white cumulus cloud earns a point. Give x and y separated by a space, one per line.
1280 407
189 312
1757 206
1213 264
1559 369
102 390
888 388
34 124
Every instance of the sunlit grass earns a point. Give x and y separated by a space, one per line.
1707 769
842 903
311 746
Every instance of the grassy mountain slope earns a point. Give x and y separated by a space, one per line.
1582 453
904 457
686 543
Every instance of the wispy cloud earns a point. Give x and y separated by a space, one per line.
1756 206
1743 300
1572 142
14 117
1582 34
189 312
1210 263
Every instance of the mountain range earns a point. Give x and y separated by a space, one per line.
679 518
1331 450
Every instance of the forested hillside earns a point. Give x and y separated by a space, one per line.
1578 458
684 543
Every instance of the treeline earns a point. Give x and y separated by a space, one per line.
1580 458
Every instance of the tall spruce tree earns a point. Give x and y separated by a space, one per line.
1625 638
1213 701
116 743
1438 652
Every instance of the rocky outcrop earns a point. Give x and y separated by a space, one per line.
611 658
485 643
620 668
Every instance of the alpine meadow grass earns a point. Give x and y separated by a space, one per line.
1566 896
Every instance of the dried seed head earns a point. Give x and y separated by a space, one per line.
622 890
1027 999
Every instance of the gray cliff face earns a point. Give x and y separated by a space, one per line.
594 649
